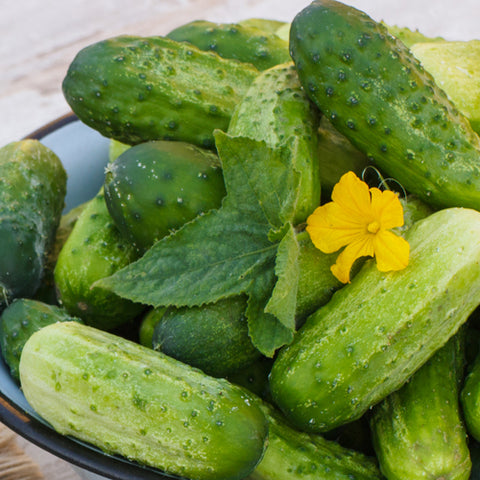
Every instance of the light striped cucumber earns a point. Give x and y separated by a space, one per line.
132 401
375 332
376 93
276 110
418 431
135 89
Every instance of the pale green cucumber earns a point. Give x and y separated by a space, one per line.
378 330
132 401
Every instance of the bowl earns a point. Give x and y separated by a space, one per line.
81 150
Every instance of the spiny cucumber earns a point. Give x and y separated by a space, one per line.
375 92
242 42
132 401
375 332
32 192
156 187
135 89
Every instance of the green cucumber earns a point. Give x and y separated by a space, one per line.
418 431
136 89
456 68
291 455
32 193
409 37
265 24
376 93
19 321
132 401
241 42
115 149
276 110
470 396
376 331
156 187
212 337
94 249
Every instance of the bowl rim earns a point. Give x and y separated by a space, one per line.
45 437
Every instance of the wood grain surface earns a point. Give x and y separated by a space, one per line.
40 38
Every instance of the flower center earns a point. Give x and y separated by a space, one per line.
373 227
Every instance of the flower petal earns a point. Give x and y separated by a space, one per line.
386 208
391 251
360 248
330 227
352 195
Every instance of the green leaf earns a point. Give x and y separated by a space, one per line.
283 301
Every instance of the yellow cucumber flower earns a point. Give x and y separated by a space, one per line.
359 218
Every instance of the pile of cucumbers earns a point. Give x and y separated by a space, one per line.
183 319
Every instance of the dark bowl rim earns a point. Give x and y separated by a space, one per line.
44 436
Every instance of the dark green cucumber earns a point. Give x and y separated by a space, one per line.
136 89
94 249
470 396
19 321
212 337
375 332
245 43
376 93
156 187
276 110
292 455
418 431
132 401
32 193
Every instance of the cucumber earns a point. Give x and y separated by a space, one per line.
410 37
32 193
132 401
470 397
375 332
376 93
418 431
19 321
115 149
135 89
212 337
245 43
292 455
456 68
265 24
95 249
156 187
276 110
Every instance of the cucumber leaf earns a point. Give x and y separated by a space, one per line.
228 251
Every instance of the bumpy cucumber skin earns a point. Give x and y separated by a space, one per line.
32 192
235 41
375 332
136 89
292 455
376 93
130 400
212 337
276 110
94 249
156 187
418 431
19 321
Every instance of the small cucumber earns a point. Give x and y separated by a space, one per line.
241 42
136 89
95 249
32 193
418 431
276 110
376 93
292 455
19 321
212 337
156 187
375 332
132 401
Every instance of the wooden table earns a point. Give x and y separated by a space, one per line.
39 39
